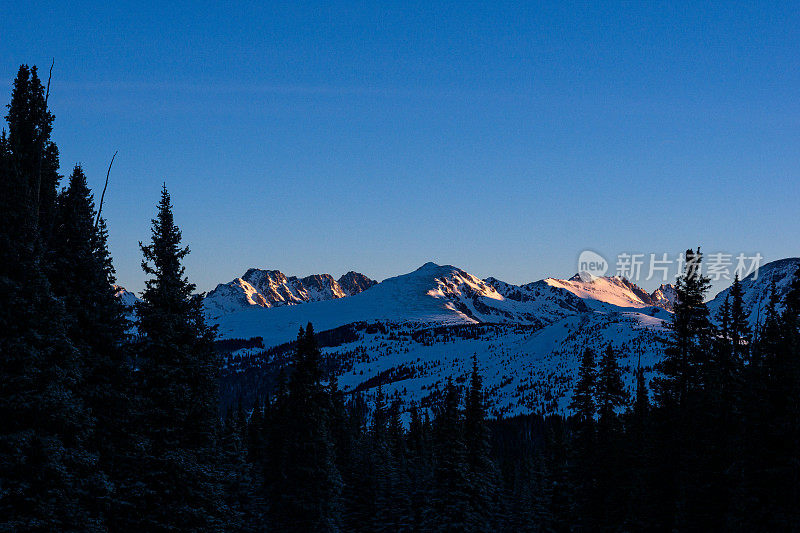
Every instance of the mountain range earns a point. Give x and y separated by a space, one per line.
414 332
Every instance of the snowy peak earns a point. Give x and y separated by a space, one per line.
664 296
272 288
610 290
756 289
318 287
126 297
614 290
452 282
353 283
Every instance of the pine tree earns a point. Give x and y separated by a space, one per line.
770 337
33 156
178 384
638 475
308 497
381 465
483 475
48 474
641 404
684 392
583 396
583 476
450 509
419 461
685 367
611 393
96 327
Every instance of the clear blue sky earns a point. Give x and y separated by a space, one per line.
500 138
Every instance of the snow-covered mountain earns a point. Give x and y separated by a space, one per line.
271 288
412 332
432 295
756 288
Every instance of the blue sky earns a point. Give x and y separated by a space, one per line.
501 138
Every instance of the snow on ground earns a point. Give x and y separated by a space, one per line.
416 331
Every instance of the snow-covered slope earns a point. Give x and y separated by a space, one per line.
271 288
613 290
525 368
756 290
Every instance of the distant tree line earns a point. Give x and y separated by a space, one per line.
101 431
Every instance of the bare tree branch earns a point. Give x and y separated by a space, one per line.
38 188
49 76
102 196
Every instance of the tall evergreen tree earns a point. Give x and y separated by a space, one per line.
34 157
307 497
483 475
48 478
638 477
583 451
583 403
683 391
178 383
611 394
419 465
686 363
97 326
450 509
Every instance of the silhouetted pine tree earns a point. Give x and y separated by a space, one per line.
639 474
682 393
419 465
482 471
610 395
583 450
97 326
48 475
381 465
450 508
686 363
178 385
400 484
33 156
309 488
